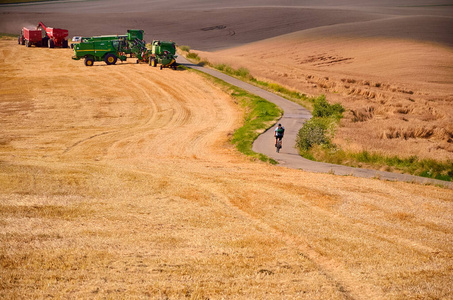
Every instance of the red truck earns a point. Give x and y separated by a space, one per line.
29 37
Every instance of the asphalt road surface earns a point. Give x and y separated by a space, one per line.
293 119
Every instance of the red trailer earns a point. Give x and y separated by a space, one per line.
29 37
55 37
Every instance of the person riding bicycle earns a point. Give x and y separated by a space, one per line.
279 133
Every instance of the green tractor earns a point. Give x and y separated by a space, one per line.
108 50
163 53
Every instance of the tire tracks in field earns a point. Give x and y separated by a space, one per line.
152 113
335 272
86 139
163 107
124 130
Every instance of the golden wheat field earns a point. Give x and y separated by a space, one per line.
119 182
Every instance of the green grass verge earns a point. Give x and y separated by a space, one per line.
413 165
259 115
244 75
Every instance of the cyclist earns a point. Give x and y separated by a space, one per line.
278 134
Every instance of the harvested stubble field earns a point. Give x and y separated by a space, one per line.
120 182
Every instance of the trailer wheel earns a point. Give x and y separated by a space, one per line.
110 59
18 40
65 44
89 61
51 43
27 43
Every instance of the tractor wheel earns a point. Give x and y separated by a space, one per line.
161 67
110 59
154 62
89 61
51 43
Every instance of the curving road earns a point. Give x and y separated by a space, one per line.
293 119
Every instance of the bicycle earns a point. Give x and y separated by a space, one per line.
278 145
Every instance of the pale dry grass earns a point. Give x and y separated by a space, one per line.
119 182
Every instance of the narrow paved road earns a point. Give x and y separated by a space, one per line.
293 118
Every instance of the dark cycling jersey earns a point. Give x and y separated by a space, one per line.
279 132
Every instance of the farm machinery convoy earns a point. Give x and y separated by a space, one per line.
110 48
107 48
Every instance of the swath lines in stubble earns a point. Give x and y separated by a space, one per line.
334 271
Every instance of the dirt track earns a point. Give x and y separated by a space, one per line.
119 181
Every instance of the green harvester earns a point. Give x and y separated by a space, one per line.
100 50
110 48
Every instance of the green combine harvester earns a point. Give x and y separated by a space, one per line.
100 50
108 48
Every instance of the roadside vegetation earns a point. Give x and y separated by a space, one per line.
314 139
314 142
259 114
244 74
320 129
